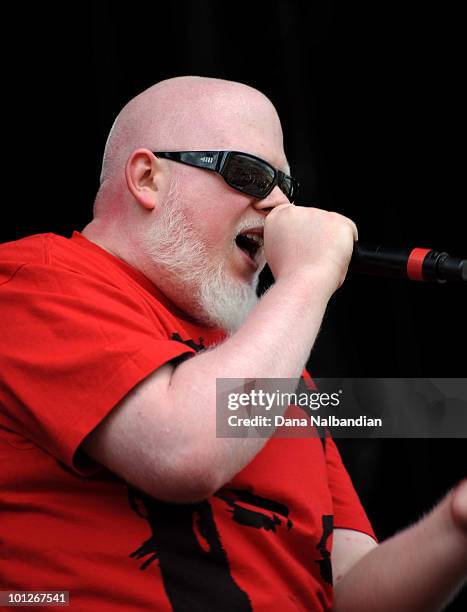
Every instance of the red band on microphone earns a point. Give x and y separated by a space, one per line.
415 263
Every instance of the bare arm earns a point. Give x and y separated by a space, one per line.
419 569
162 436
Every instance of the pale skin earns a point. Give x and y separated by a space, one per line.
166 446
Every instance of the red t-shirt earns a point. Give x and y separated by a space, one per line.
79 329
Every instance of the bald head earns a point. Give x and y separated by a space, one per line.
191 113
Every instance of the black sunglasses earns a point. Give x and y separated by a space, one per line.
242 171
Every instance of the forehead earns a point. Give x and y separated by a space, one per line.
253 126
244 121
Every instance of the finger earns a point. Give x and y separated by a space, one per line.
280 206
354 228
355 231
459 504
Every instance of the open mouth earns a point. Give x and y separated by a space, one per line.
250 242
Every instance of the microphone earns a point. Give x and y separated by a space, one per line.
410 263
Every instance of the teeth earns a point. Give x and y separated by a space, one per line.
255 238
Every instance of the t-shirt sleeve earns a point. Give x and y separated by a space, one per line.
348 510
71 347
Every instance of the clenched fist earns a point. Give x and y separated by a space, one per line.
310 240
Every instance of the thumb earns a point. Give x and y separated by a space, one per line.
459 505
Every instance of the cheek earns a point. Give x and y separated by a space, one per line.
199 196
212 217
213 209
217 234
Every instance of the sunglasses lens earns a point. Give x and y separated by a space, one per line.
248 175
286 186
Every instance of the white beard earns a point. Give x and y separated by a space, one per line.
205 291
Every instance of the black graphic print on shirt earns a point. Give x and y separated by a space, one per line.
197 346
325 566
193 564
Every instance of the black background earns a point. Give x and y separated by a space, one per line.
372 104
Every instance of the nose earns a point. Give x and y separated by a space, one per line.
275 198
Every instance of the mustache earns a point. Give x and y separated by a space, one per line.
250 224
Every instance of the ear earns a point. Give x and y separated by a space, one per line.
142 173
